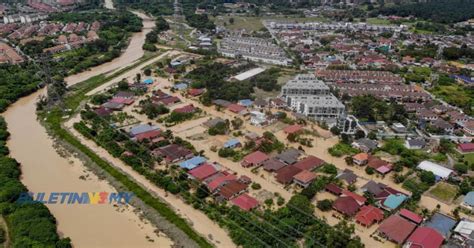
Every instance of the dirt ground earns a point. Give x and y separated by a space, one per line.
195 133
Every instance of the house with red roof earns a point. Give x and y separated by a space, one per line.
168 100
309 163
285 175
466 147
195 92
369 215
245 202
424 237
148 135
218 180
409 215
232 189
304 178
358 198
360 158
333 189
254 159
293 129
103 112
173 153
346 205
202 172
122 100
379 165
396 229
237 109
186 109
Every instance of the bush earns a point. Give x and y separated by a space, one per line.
461 168
2 236
324 205
369 170
256 186
329 169
427 177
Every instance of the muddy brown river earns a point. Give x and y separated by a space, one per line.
44 170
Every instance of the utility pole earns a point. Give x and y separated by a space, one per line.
55 88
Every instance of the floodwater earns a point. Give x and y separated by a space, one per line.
44 170
133 52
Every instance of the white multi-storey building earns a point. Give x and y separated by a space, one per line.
312 97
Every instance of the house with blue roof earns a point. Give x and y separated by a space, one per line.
180 86
245 102
192 162
442 224
468 201
232 143
148 81
469 81
393 201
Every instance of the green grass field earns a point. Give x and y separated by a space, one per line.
444 191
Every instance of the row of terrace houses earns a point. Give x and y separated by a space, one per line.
254 49
375 77
319 26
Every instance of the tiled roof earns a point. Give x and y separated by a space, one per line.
396 228
425 237
346 205
245 202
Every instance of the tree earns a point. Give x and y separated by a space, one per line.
237 123
231 20
202 192
256 186
461 168
372 135
123 85
147 72
335 130
349 160
427 177
329 169
324 205
369 170
359 134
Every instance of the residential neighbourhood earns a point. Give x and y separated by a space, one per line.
238 124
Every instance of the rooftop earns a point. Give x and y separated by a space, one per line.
396 228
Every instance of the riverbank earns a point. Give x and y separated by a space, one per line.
53 120
44 170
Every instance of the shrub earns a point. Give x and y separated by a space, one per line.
256 186
324 205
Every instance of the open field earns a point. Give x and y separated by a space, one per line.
444 191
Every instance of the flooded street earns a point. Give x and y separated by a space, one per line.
44 170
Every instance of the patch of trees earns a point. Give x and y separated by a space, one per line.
267 80
153 110
454 53
17 81
220 128
212 77
428 50
372 109
29 224
201 22
442 11
154 7
152 37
